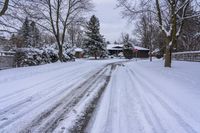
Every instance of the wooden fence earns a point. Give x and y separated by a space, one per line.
187 56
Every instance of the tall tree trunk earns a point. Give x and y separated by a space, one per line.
95 55
168 56
60 52
168 51
150 54
150 58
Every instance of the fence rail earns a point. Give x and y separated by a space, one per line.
193 56
7 53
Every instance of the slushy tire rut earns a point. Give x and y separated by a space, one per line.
50 119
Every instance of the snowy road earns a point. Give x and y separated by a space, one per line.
138 97
144 97
36 99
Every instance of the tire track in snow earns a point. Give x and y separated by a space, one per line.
42 70
59 79
83 123
110 109
38 103
134 103
50 118
148 88
113 107
15 107
154 122
16 94
90 101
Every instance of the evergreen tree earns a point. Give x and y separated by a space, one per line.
128 47
24 33
107 42
94 43
29 34
35 35
115 42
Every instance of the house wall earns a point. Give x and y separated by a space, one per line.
114 52
141 54
79 55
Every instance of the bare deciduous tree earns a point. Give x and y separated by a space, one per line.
75 34
53 16
170 16
59 14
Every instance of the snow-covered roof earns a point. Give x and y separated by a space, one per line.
139 48
115 46
156 50
120 47
78 50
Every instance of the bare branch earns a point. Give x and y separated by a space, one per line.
5 7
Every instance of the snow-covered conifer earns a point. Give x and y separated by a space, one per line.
24 34
35 35
128 47
94 43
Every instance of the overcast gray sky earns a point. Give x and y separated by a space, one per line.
112 24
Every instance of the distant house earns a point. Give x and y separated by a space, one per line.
78 52
139 52
115 49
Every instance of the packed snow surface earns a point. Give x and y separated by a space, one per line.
32 98
144 97
141 97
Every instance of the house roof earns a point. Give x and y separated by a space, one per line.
120 47
114 46
78 50
140 48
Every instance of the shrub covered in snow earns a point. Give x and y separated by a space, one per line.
35 56
51 54
28 57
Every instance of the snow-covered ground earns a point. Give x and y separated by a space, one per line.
144 97
32 98
141 97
